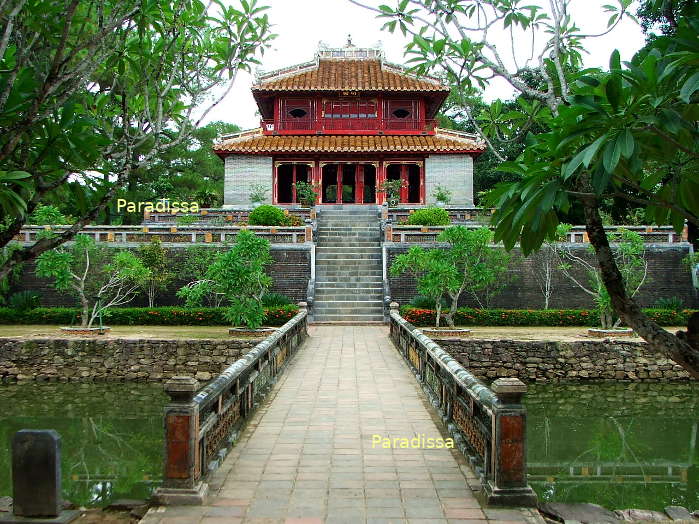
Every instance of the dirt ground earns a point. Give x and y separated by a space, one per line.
221 332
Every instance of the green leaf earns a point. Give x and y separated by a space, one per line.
627 143
591 150
610 159
613 90
689 87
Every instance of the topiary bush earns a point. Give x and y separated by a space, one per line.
429 216
275 299
267 216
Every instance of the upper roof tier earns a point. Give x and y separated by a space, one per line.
347 69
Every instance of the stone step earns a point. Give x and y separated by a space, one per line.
320 310
348 319
338 284
348 249
322 298
320 257
359 290
347 322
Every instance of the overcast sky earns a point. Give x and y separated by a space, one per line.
301 24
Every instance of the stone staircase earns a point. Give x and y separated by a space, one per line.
349 281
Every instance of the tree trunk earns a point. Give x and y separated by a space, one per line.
85 320
658 339
438 312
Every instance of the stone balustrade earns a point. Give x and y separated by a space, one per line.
489 425
401 233
201 425
215 215
171 234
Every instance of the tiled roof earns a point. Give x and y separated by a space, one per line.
346 75
254 142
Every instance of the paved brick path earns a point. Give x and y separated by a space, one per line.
307 455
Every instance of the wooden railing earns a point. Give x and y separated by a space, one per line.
331 125
428 234
456 214
489 425
171 234
201 426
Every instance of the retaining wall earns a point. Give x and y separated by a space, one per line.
584 360
667 277
115 360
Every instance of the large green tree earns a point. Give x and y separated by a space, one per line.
92 91
628 133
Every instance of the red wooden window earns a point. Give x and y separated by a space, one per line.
349 108
402 114
296 113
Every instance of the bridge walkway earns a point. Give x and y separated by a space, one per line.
310 455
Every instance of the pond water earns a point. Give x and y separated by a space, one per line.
617 445
111 436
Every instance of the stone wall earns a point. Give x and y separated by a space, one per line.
115 360
667 277
242 172
453 172
290 272
539 361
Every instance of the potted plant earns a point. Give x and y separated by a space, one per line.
258 194
442 195
238 277
100 277
307 194
392 190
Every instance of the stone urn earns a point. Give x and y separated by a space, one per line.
245 332
446 332
614 332
85 331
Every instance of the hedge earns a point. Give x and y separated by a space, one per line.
534 317
142 316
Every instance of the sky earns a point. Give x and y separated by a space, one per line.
301 24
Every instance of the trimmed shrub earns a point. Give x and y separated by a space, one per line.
24 300
143 316
422 302
275 299
535 317
429 216
267 216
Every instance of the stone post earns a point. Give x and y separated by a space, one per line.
388 235
182 483
394 306
507 482
36 478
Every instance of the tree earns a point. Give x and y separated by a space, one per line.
546 261
154 258
468 264
605 131
92 91
238 277
629 257
100 277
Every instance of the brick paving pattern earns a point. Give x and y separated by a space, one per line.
307 454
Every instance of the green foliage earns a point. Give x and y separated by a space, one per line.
154 258
24 300
441 194
238 277
187 220
14 274
258 193
392 190
470 264
275 299
421 302
159 316
535 317
47 215
429 216
267 216
672 303
100 277
307 193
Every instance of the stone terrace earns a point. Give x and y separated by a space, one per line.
307 454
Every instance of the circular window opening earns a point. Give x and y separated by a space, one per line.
298 113
401 113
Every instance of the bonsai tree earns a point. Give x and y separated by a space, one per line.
306 193
100 277
442 194
154 258
392 190
629 256
238 277
468 264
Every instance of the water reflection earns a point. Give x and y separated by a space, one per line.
617 445
112 436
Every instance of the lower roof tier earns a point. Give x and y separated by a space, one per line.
255 143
